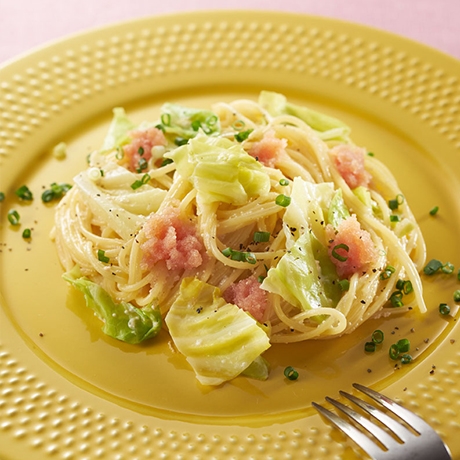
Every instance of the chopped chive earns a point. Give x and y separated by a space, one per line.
13 217
140 151
212 120
389 270
261 237
166 162
120 153
394 352
403 345
336 255
180 141
284 182
2 197
55 192
101 256
396 299
448 268
227 252
196 125
283 200
377 336
238 125
291 373
24 193
395 218
406 359
405 286
240 256
393 204
344 285
141 165
371 154
433 211
261 278
432 267
457 295
444 309
166 119
26 233
370 347
243 135
139 183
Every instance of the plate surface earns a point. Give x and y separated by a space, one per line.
67 391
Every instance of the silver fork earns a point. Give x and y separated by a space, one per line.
421 444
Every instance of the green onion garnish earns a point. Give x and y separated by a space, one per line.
26 233
344 285
2 197
139 183
140 151
196 125
238 125
369 347
457 295
284 182
394 204
283 200
377 336
395 218
166 119
13 217
166 161
404 286
180 141
444 309
403 345
389 270
434 210
240 256
336 255
396 299
101 256
448 268
55 192
432 267
141 165
394 351
243 135
291 373
24 193
261 278
406 359
261 237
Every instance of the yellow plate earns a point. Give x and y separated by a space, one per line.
67 391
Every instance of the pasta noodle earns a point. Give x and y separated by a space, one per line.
106 226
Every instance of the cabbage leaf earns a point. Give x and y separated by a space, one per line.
218 339
122 321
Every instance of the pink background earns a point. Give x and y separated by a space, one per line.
26 24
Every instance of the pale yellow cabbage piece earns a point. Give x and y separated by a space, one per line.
218 339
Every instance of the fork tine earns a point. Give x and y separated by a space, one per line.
409 417
399 430
353 433
387 440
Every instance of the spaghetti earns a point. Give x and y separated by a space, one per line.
183 198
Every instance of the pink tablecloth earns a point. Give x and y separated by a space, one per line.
26 24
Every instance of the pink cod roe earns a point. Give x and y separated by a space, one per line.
361 249
173 239
248 295
141 146
349 160
268 149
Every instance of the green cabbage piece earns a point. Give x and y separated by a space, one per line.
185 122
220 170
327 127
218 339
305 276
122 321
119 128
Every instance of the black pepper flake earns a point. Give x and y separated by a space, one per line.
426 340
452 341
199 309
41 334
363 302
369 371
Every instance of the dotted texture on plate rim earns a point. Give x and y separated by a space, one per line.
35 413
43 91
